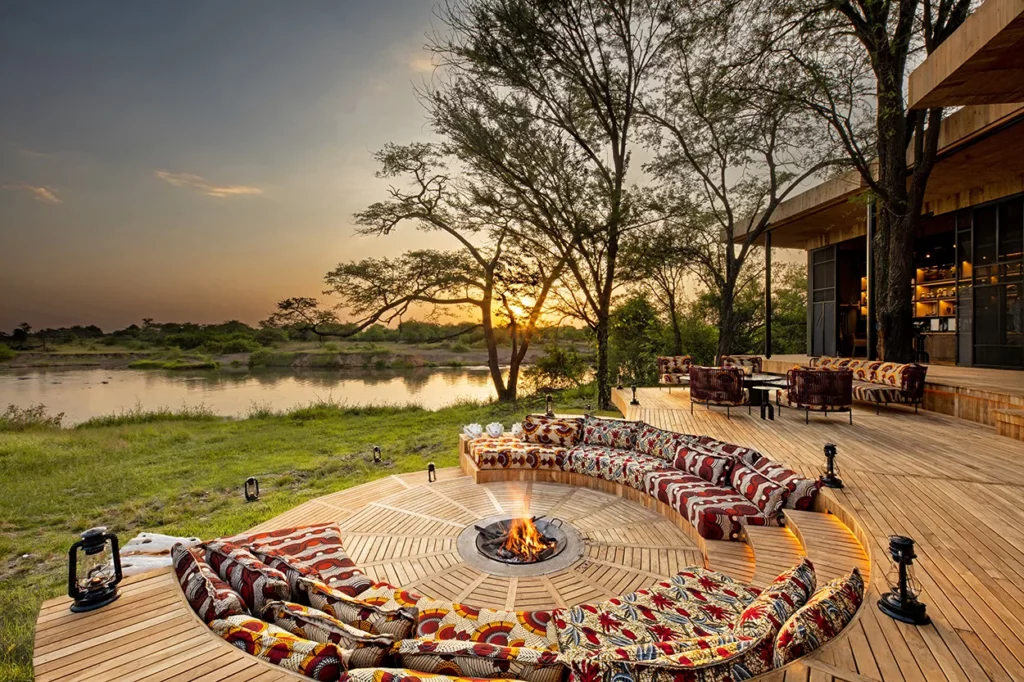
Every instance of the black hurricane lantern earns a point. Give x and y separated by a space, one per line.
93 578
618 380
901 601
830 479
431 472
377 459
550 406
634 401
587 410
252 489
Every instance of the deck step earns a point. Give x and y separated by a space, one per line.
735 559
775 550
828 543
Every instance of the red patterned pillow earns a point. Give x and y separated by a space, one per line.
767 496
610 433
209 596
563 431
801 490
247 575
272 644
310 551
746 455
368 650
357 613
714 469
819 620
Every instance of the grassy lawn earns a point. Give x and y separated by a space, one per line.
185 477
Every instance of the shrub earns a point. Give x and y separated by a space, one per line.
635 332
16 418
6 352
460 346
558 367
138 415
269 358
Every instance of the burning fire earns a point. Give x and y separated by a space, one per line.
524 540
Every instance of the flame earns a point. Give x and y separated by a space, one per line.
524 540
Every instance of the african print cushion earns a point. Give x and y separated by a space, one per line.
256 582
514 453
274 645
801 490
463 658
788 592
819 620
674 364
763 493
716 513
712 468
209 596
717 447
358 612
559 431
400 675
367 649
695 602
657 442
877 393
611 433
625 467
675 379
311 551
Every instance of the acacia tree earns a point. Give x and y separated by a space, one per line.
732 144
575 68
856 53
303 314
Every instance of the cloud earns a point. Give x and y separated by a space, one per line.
421 62
33 154
198 182
39 193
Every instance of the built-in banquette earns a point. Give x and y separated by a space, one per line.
880 382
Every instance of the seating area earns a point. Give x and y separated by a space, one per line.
818 390
674 370
720 386
879 382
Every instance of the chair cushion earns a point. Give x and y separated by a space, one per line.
802 491
763 493
674 364
368 649
462 658
308 551
819 620
716 513
877 393
359 612
715 446
208 595
660 443
256 582
508 452
714 469
674 379
611 433
270 643
559 431
626 467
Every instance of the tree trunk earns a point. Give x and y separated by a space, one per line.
604 388
726 321
677 332
493 364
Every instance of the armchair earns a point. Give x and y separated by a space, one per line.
821 390
721 386
674 370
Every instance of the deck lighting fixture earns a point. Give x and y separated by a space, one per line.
900 602
431 472
618 380
376 455
830 479
550 410
587 410
252 489
634 401
93 579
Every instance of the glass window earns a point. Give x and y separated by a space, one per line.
1011 230
984 239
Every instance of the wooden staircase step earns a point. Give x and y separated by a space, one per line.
828 543
775 550
735 559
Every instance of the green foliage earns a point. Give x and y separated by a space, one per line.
16 418
174 364
332 347
6 352
558 367
636 338
139 415
461 346
270 358
700 338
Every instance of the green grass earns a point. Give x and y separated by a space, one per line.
182 473
173 364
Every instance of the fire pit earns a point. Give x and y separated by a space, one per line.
527 540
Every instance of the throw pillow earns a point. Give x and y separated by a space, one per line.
357 613
610 433
310 551
272 644
801 490
777 602
819 620
764 494
247 575
656 442
564 431
209 596
368 650
712 468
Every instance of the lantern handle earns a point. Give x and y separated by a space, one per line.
116 547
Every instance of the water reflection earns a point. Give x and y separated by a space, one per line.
84 393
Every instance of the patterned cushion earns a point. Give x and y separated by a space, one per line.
763 493
256 582
559 431
752 361
270 643
801 490
865 370
674 365
625 467
824 362
657 442
748 456
712 468
400 675
368 650
512 453
311 551
877 393
209 596
788 592
675 379
611 433
823 617
695 602
358 612
463 658
716 513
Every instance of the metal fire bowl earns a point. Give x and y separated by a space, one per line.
467 547
549 530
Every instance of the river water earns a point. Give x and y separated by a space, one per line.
84 393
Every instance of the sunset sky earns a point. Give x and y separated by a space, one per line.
192 159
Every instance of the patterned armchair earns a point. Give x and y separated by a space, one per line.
821 390
717 386
674 370
743 361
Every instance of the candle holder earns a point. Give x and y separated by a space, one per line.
830 478
901 601
252 489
